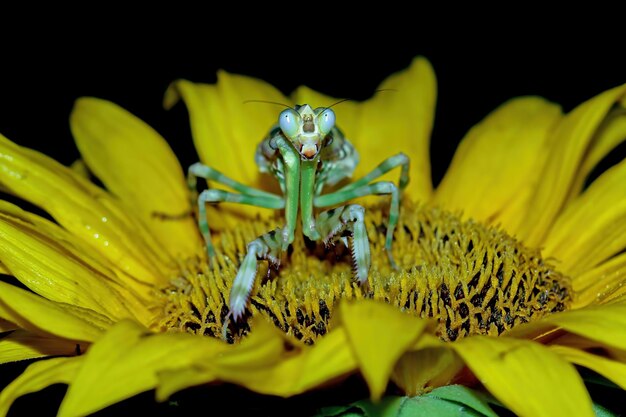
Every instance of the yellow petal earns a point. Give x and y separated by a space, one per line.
267 363
83 209
497 164
430 367
129 353
571 141
21 344
605 323
85 258
173 381
330 358
399 120
47 269
225 129
600 284
525 376
38 376
262 349
38 315
593 227
136 164
613 370
611 133
226 132
379 334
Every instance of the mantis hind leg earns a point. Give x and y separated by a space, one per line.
266 247
333 223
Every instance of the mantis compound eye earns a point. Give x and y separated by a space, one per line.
289 122
326 121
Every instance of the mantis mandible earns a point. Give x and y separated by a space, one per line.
305 152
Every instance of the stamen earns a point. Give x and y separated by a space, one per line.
472 278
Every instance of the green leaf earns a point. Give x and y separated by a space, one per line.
434 407
386 407
603 412
465 396
450 402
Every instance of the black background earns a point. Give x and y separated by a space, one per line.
41 78
40 81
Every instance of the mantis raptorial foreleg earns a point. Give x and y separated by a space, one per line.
249 196
377 188
267 246
332 223
363 187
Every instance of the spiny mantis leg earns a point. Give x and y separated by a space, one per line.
377 188
361 188
270 245
250 196
267 246
332 223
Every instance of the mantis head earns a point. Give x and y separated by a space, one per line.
307 128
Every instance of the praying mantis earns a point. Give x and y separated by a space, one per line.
304 152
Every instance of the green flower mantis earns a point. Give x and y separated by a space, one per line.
305 152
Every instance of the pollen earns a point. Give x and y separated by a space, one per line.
469 277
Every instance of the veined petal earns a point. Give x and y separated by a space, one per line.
378 335
498 163
399 120
611 133
612 370
263 348
38 376
429 367
21 344
571 141
47 269
82 208
329 359
262 364
604 323
136 164
226 131
601 283
60 240
38 315
592 227
129 353
525 376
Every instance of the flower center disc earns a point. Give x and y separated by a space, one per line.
472 278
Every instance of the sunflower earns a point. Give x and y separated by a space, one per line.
510 274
